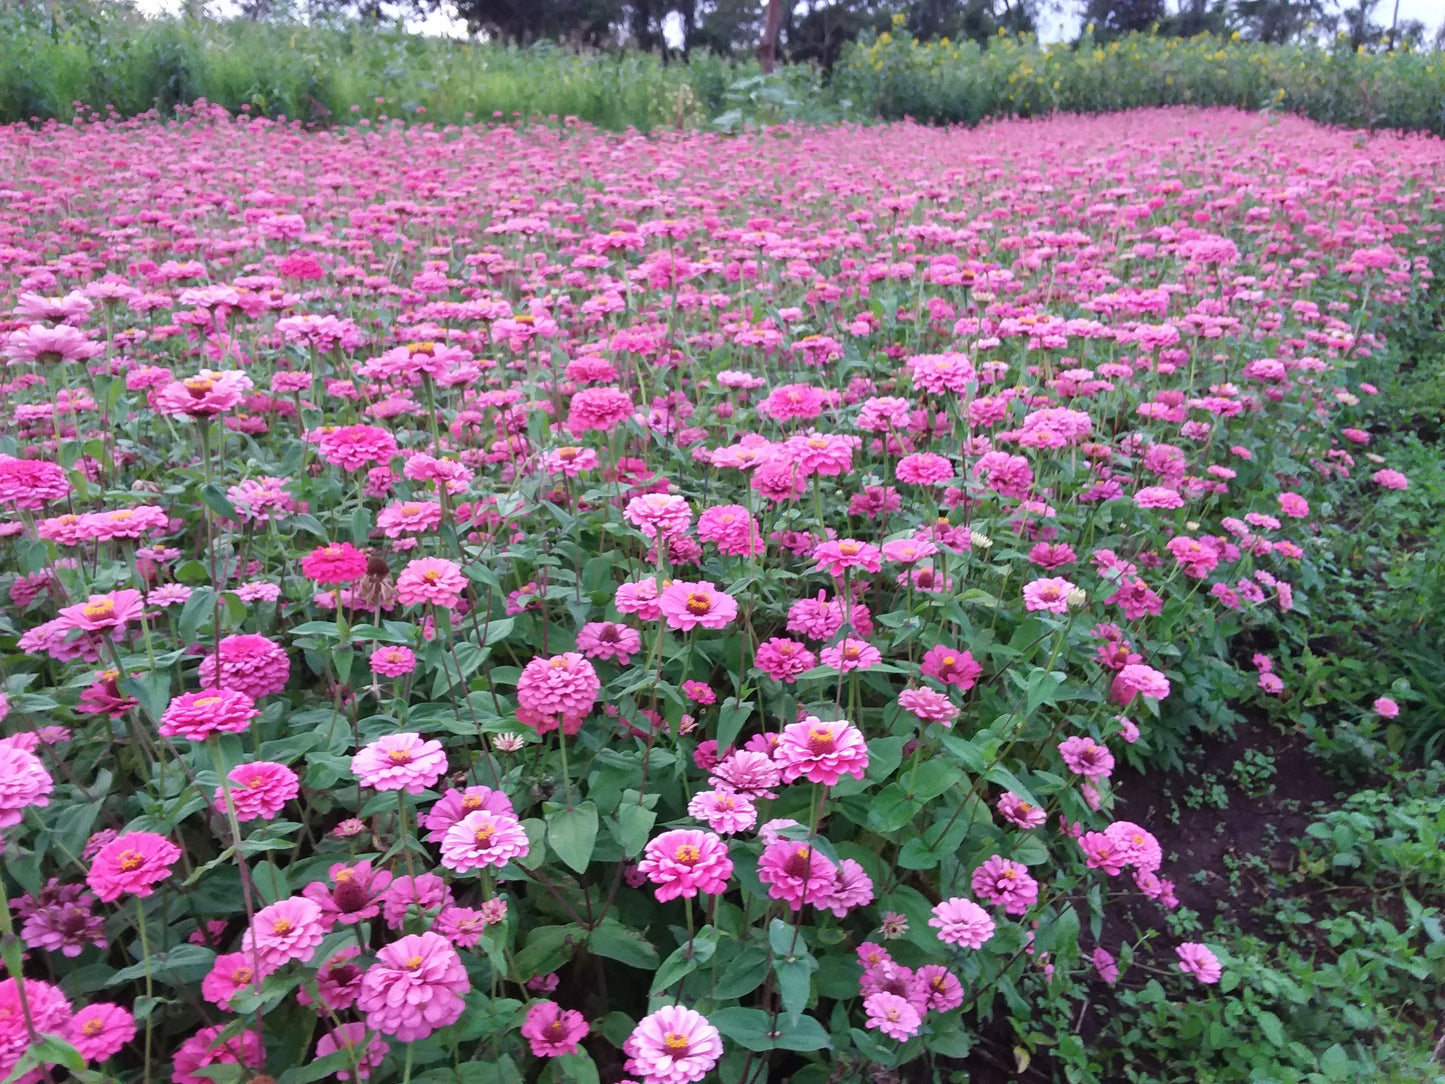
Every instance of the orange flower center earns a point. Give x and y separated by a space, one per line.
281 926
848 549
241 976
399 756
699 603
471 803
410 509
92 1027
676 1044
821 740
130 861
205 701
484 834
414 963
687 854
100 608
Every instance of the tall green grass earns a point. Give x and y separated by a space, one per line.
894 76
337 74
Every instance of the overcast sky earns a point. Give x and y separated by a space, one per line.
1054 28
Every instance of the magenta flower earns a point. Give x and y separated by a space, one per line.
658 515
608 640
248 663
1102 852
960 921
102 612
783 660
204 395
1196 959
892 1015
415 987
563 685
259 789
400 762
196 716
924 469
944 991
392 661
851 654
100 1030
1050 595
1140 849
456 804
24 782
286 930
353 895
688 605
725 813
821 751
951 667
674 1045
483 838
1019 812
1084 756
339 562
552 1030
432 580
836 556
1104 964
1135 679
684 862
208 1047
1390 479
929 706
1383 705
797 874
364 1048
131 864
1005 884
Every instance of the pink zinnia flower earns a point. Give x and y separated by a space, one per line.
393 661
563 685
892 1015
1383 706
1084 756
1102 852
1050 594
352 447
24 782
249 663
638 598
208 1047
796 873
353 895
431 579
928 705
339 562
286 930
658 515
684 862
569 460
1135 679
49 1012
598 409
102 612
552 1030
1391 479
1196 959
852 887
732 529
850 654
1104 964
688 605
1140 849
131 864
835 556
258 790
747 772
960 921
456 804
1019 812
204 395
483 838
196 716
608 640
1158 497
674 1045
821 751
415 987
365 1049
924 469
783 660
726 813
400 762
1293 505
950 666
1006 884
945 992
100 1030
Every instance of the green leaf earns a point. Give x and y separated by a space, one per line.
178 966
197 610
572 833
214 498
634 822
731 718
804 1033
616 942
1335 1063
931 778
746 1027
686 959
575 1068
1270 1024
547 948
743 975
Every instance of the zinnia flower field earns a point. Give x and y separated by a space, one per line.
525 603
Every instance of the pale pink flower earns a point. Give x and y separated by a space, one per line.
960 921
400 762
821 751
1006 884
688 605
432 580
415 987
674 1045
483 838
892 1015
1197 960
684 862
725 812
289 929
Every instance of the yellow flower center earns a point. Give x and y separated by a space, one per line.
101 608
130 861
675 1044
687 854
699 603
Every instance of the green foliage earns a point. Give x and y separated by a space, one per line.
894 75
